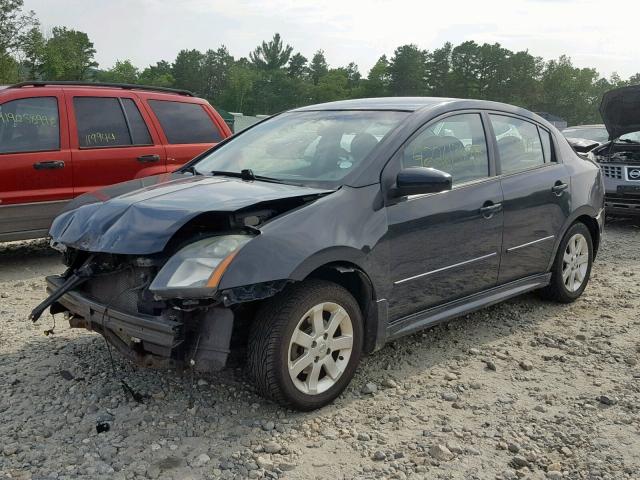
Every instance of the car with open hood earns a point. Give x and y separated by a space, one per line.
320 234
619 157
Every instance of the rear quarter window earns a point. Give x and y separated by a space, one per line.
185 122
29 125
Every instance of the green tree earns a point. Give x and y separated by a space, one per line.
215 72
377 82
438 68
122 72
271 55
318 67
68 55
334 85
407 71
33 48
187 71
297 67
13 23
158 75
239 86
465 70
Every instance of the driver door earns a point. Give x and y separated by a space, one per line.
444 246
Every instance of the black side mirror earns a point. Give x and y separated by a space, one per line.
419 180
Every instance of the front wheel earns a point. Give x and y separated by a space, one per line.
572 266
305 344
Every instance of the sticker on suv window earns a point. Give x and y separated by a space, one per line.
100 138
29 118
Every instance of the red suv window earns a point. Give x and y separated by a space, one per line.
185 122
109 122
29 125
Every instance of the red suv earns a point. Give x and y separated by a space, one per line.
59 140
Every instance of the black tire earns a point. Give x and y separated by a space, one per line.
557 290
270 334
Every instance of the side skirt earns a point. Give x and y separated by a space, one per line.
428 318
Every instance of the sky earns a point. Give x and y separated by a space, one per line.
593 33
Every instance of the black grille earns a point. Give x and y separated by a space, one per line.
120 290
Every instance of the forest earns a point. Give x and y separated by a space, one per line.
275 76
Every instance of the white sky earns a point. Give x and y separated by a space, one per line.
594 33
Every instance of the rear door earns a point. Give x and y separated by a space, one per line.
537 196
35 164
112 139
188 128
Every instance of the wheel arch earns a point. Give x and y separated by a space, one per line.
356 281
585 215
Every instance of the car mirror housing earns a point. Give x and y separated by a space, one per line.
420 180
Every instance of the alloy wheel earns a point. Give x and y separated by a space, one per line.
575 262
320 348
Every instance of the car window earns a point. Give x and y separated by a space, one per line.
29 125
305 147
101 122
139 131
185 122
520 147
546 145
456 145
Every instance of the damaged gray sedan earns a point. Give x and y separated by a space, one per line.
318 235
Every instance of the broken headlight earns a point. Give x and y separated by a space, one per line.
197 268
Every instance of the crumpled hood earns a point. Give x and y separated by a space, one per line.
620 110
140 216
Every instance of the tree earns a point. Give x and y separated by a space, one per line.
438 68
13 23
407 71
239 85
377 83
465 70
158 75
33 48
68 55
187 71
271 55
318 67
297 67
332 86
122 72
215 72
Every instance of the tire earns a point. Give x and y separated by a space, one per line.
273 351
561 289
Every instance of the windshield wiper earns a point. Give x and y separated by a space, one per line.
246 174
628 140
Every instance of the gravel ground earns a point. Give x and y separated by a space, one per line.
527 389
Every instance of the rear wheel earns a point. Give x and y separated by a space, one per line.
305 345
572 266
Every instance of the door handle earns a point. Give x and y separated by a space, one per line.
489 209
559 188
48 165
148 158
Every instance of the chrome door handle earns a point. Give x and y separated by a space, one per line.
559 188
489 210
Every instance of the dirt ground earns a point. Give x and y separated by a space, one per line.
527 389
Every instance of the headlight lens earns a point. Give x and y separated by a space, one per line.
200 265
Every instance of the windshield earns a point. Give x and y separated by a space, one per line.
597 134
304 147
631 137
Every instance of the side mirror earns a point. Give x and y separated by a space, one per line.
419 180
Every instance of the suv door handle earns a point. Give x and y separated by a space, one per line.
490 209
148 158
49 165
559 188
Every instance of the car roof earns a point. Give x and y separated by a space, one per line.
422 104
101 86
595 125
